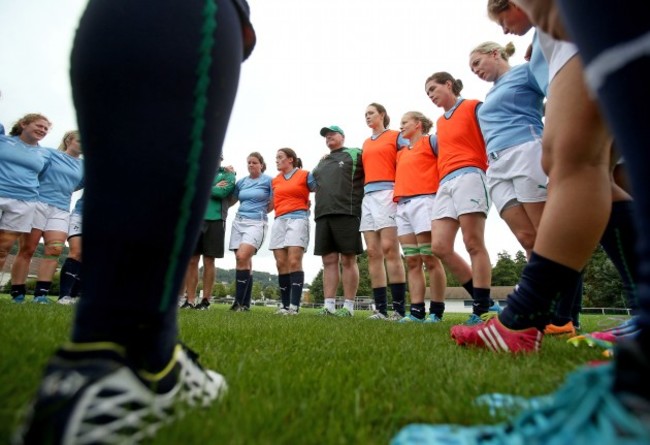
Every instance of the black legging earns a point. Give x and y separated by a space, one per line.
623 29
153 102
624 97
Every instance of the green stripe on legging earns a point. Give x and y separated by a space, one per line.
196 144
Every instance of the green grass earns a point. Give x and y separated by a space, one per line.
306 379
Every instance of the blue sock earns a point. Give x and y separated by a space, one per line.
417 310
437 308
18 289
297 281
469 287
381 302
241 278
70 273
42 288
482 302
76 289
284 281
398 293
249 291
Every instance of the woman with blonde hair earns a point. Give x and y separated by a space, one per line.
21 162
416 184
511 123
52 216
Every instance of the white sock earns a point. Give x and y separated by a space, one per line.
330 304
349 305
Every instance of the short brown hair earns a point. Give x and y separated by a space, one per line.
382 110
259 157
442 77
297 162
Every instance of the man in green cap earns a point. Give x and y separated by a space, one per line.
338 198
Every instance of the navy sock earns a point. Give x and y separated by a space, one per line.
469 287
577 304
381 302
398 293
564 307
249 291
482 302
297 282
18 289
70 273
619 242
42 288
284 281
417 310
76 289
241 278
437 308
529 305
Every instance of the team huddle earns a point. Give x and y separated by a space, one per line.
408 192
124 374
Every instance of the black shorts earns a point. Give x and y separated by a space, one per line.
211 239
338 233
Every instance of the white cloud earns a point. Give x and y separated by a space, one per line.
316 63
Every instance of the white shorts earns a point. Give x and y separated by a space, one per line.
247 231
288 232
463 194
49 218
556 52
74 228
16 215
378 211
515 174
414 215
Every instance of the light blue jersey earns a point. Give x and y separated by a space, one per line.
539 65
20 167
254 196
60 180
512 111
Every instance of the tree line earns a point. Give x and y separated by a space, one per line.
602 283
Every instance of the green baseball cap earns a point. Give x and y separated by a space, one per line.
331 128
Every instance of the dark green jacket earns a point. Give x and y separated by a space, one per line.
339 176
218 203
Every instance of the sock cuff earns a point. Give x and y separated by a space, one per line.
242 274
557 270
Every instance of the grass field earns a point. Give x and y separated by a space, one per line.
307 379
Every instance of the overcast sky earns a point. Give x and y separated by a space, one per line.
316 63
